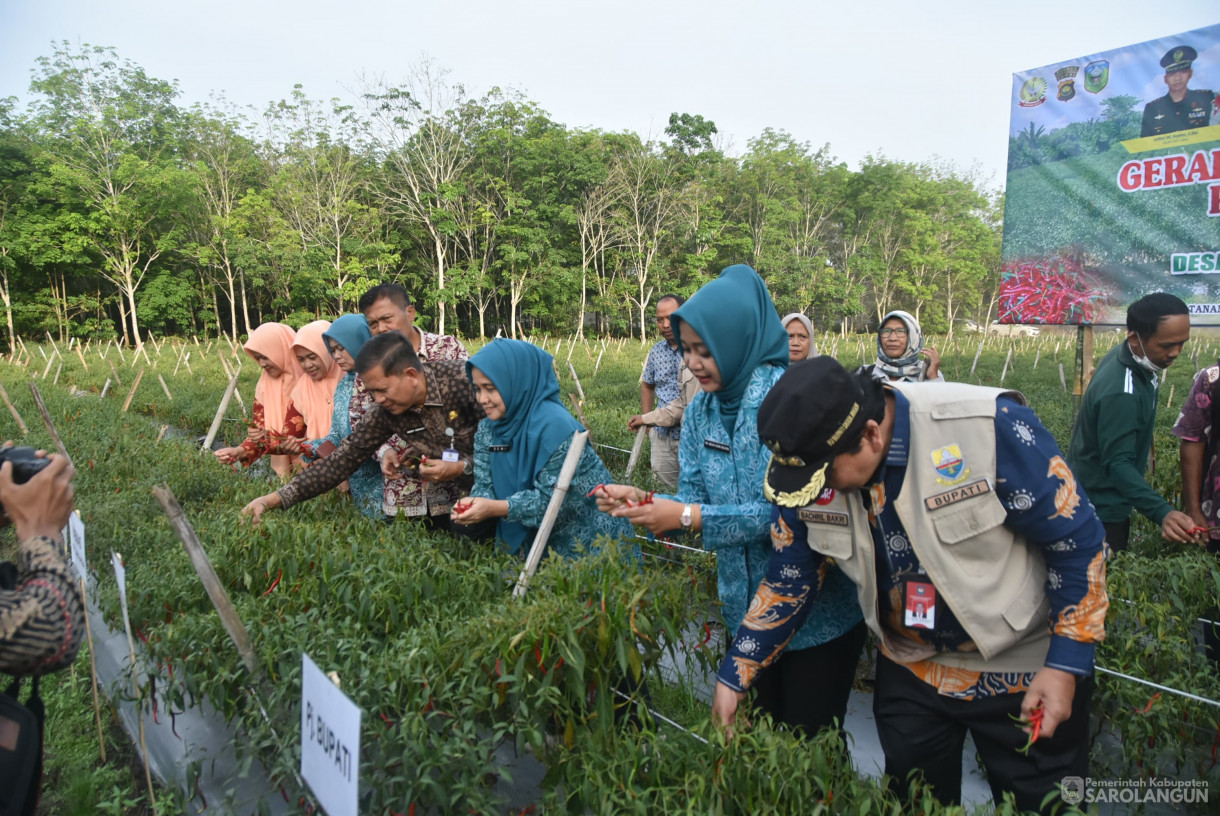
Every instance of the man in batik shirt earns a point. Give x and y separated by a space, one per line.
387 308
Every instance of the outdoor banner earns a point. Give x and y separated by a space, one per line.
1113 187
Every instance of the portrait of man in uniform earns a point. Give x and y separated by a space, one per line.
1181 108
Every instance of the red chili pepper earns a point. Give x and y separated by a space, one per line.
1034 724
707 635
1148 707
594 490
387 720
274 584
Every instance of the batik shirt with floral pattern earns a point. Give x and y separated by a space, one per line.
407 494
725 477
272 440
1195 425
1045 505
450 403
579 522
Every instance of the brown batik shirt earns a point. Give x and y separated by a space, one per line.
448 403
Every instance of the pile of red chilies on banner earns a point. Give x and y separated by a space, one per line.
1049 290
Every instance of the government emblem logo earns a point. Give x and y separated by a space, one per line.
1097 76
1033 92
950 465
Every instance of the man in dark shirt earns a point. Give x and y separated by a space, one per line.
431 405
1181 108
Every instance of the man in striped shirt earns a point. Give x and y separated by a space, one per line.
1113 433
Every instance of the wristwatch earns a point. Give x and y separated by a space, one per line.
688 517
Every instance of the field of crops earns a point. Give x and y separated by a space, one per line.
449 669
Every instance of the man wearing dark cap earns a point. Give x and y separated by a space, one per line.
1181 108
978 561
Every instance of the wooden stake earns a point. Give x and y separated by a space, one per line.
165 388
47 370
12 410
576 379
161 433
81 355
635 451
599 361
220 412
132 393
131 649
1062 380
215 589
580 412
977 354
52 339
46 420
552 511
117 380
1037 354
105 388
1006 362
58 369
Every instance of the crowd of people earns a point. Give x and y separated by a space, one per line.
943 517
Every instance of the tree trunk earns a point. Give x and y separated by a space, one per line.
440 285
245 309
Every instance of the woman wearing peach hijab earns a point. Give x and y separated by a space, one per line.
277 425
314 394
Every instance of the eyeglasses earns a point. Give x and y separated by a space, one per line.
899 332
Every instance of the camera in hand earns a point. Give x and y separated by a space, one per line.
25 464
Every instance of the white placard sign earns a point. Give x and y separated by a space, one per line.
330 741
76 539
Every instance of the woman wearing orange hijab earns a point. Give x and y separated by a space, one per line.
277 425
313 395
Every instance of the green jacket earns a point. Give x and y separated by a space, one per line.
1112 439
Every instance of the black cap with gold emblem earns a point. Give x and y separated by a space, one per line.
1178 58
816 411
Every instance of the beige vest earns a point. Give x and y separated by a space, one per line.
992 579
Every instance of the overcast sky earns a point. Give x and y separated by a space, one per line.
912 80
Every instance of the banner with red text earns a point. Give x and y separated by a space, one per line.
1113 186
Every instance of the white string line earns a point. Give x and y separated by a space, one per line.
1159 686
665 719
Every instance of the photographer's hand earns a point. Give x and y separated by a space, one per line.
41 506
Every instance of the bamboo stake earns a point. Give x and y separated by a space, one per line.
12 410
58 369
165 388
1004 371
117 379
977 354
635 451
52 339
240 401
46 420
43 353
215 589
220 412
132 393
576 379
1169 402
552 512
47 370
105 388
580 412
1037 354
599 361
119 350
81 355
1062 380
97 707
161 433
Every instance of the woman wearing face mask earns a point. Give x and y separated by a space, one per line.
800 337
901 354
344 339
519 450
277 426
733 342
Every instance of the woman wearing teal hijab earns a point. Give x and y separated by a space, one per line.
733 342
519 450
345 337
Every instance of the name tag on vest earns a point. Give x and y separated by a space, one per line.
957 494
822 517
499 448
717 446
